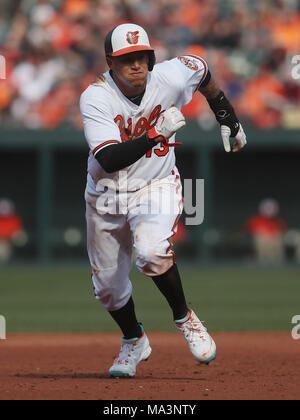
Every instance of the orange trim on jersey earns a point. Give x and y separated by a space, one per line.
205 68
178 186
104 144
172 230
177 218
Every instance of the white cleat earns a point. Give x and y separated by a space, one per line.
132 352
201 344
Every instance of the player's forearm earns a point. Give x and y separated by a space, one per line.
118 156
220 106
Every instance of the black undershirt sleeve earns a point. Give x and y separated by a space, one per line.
118 156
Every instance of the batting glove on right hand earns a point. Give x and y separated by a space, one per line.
167 124
240 138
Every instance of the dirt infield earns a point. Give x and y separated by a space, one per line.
74 366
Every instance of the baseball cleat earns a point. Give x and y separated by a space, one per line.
132 352
202 346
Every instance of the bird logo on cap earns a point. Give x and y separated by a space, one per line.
132 37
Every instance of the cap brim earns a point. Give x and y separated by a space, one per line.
132 49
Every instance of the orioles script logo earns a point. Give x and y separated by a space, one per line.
132 37
137 130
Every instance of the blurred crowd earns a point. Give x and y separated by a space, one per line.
11 229
54 50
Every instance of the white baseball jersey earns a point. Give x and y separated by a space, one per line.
109 117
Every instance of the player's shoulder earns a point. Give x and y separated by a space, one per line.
192 62
178 65
98 92
166 72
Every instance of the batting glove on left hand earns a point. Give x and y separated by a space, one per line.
240 138
167 124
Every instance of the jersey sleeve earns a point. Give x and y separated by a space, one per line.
191 71
99 126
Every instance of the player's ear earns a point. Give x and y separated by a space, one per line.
148 57
109 61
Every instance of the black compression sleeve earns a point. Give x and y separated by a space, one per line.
224 113
118 156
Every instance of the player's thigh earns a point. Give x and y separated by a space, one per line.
154 217
109 239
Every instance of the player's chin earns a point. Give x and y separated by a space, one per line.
137 81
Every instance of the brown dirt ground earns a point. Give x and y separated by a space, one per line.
249 365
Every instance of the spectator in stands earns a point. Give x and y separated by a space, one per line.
267 231
53 47
10 228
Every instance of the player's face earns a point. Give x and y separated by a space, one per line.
130 71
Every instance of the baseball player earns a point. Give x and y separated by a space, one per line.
130 116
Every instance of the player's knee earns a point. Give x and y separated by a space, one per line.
153 260
111 298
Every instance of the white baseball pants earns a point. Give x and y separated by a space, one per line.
117 222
